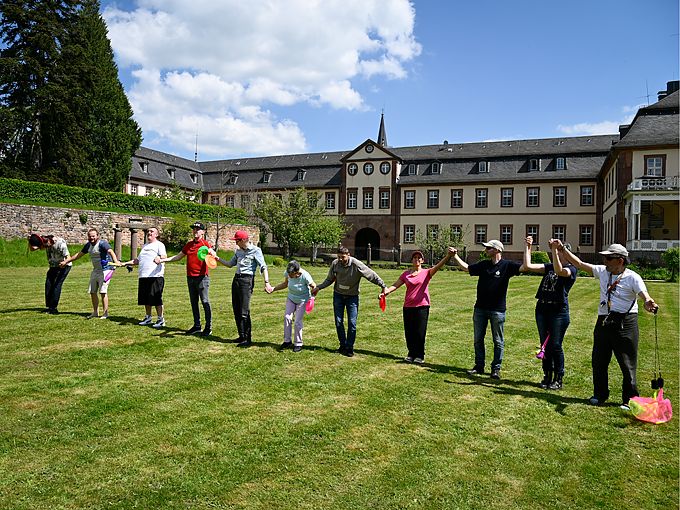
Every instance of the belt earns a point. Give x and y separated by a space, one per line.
240 275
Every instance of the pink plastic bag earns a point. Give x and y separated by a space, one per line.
653 410
310 305
107 275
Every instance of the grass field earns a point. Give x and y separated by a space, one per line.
108 414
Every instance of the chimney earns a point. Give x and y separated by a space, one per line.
671 86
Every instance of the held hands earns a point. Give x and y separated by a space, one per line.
315 291
451 252
529 240
212 252
268 288
157 260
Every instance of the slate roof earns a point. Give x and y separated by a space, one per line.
670 101
159 163
651 130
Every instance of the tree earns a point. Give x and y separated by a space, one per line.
671 257
297 220
437 239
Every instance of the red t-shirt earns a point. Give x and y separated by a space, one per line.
195 267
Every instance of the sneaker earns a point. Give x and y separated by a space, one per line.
147 320
625 407
475 371
92 316
418 361
207 331
194 330
285 345
245 344
594 401
159 323
105 316
297 348
408 359
496 373
555 385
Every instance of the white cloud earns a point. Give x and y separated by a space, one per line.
604 127
217 65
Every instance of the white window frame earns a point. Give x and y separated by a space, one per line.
384 200
368 199
412 198
330 200
352 199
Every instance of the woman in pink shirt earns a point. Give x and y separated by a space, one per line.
417 303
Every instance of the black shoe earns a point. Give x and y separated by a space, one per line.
475 371
297 348
349 353
285 345
245 343
194 330
556 384
547 379
496 373
207 331
342 350
53 311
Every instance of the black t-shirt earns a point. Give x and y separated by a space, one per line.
492 286
554 290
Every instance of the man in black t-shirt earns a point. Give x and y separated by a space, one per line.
492 288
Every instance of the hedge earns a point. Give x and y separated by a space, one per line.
29 192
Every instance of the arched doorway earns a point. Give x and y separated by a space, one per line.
364 237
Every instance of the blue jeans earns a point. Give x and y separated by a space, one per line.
553 321
480 319
351 303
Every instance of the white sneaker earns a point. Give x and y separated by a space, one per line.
147 320
159 323
105 316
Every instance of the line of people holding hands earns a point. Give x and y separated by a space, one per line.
616 329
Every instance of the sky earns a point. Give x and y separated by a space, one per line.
265 77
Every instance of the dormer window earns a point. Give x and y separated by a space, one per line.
534 165
436 168
412 169
194 178
266 177
171 172
560 164
483 167
301 175
233 177
144 166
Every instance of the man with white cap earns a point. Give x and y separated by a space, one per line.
616 329
246 259
492 288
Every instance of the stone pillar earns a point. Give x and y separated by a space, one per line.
133 243
398 253
368 254
117 241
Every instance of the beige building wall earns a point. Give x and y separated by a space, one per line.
372 174
672 161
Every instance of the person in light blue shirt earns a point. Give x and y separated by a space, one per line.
299 283
247 258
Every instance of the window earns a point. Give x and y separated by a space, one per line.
480 234
586 195
352 169
585 236
506 197
148 191
409 199
312 199
368 168
559 232
456 232
231 200
506 234
433 199
368 199
483 167
412 169
436 168
456 198
534 165
215 200
384 199
481 196
409 234
560 196
245 201
133 189
385 168
330 200
351 200
432 232
233 177
301 174
533 197
532 230
194 178
144 166
560 164
171 172
655 166
266 177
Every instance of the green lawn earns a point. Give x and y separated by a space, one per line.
107 414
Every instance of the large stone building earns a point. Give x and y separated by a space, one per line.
589 191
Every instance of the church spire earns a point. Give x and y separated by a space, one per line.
382 135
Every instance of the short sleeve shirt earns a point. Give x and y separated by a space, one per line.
554 289
195 267
492 286
298 288
99 254
147 267
417 293
624 293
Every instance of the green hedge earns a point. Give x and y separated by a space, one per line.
29 192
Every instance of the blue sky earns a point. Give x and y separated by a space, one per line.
265 77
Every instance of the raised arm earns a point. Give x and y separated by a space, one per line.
463 265
560 270
527 265
584 266
443 261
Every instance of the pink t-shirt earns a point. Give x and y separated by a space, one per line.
416 288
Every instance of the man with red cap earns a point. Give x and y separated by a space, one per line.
246 259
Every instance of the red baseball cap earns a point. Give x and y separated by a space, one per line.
239 235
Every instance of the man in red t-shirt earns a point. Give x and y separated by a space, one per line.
198 280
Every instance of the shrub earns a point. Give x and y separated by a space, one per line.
540 257
671 257
279 262
176 234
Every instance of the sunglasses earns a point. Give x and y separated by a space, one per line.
489 248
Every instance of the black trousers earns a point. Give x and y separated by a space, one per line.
241 291
623 343
199 288
415 329
53 283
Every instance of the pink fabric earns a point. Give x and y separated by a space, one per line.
417 293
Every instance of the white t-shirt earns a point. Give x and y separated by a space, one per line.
147 267
625 292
